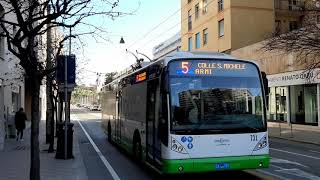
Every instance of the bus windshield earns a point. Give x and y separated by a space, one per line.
210 96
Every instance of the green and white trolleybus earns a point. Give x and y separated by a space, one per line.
190 112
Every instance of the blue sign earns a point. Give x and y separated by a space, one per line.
190 145
71 69
190 139
183 139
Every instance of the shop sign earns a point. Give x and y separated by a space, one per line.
294 78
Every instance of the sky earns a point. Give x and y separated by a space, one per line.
150 23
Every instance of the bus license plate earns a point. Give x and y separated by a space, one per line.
221 166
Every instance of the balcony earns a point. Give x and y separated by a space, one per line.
289 7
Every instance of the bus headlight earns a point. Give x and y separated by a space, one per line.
177 147
261 144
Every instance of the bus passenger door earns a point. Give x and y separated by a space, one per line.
150 129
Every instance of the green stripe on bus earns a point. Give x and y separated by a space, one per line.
209 164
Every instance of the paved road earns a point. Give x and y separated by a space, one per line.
289 160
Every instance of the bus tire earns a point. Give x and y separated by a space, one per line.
137 149
109 132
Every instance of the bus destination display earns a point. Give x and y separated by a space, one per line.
206 68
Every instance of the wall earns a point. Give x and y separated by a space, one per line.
251 22
272 62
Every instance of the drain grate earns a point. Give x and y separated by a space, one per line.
21 148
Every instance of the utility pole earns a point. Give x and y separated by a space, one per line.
66 107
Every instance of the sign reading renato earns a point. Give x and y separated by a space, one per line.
294 78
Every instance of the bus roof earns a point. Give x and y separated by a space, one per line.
197 54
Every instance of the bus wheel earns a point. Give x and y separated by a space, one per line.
137 150
109 132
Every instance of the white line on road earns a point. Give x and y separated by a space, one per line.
314 151
317 158
104 160
272 174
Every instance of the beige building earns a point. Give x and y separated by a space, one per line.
240 28
227 25
224 25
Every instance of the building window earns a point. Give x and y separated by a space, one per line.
205 6
220 5
278 27
292 5
205 36
189 20
197 11
293 25
197 40
190 44
221 28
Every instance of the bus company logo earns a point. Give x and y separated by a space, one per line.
222 142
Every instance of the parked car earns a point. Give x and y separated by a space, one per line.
95 108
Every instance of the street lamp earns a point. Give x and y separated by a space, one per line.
122 41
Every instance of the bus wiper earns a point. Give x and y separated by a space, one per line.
252 128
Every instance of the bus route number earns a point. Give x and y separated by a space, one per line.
185 67
254 137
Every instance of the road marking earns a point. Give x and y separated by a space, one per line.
299 173
317 158
272 174
103 159
276 166
314 151
284 161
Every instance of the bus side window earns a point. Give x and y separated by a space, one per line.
163 120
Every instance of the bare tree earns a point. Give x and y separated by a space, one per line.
22 33
303 41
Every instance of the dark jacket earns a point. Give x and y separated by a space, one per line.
20 120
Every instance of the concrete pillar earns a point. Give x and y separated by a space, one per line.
288 107
318 103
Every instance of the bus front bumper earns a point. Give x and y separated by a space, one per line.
215 164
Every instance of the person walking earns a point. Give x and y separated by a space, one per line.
20 122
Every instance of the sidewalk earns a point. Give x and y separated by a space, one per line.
15 160
299 133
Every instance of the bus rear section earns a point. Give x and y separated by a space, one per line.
217 117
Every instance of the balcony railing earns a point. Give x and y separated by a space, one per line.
290 5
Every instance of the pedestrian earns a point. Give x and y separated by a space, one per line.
20 122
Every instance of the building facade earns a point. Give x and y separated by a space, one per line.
12 89
240 28
224 25
167 47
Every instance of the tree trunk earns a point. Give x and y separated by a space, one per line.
51 116
35 118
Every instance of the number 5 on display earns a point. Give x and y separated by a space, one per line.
185 67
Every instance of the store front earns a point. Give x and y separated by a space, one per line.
294 97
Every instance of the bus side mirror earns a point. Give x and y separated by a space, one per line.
163 131
265 83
